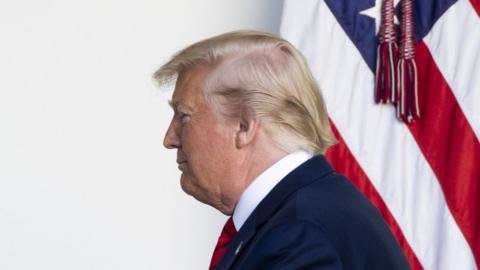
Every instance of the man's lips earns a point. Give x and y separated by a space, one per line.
181 164
181 161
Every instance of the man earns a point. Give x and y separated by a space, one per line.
250 128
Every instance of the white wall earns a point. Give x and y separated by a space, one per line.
85 182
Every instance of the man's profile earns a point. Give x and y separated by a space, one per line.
250 128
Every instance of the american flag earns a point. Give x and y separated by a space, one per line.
424 177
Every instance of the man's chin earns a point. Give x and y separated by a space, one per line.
188 187
185 184
193 190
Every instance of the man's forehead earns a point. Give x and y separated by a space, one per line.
188 88
182 97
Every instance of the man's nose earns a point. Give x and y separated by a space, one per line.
171 140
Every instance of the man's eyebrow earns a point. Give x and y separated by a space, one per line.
176 105
173 104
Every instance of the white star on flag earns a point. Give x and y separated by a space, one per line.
375 12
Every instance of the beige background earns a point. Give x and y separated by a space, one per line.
84 180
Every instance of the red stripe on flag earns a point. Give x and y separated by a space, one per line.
345 163
476 6
450 146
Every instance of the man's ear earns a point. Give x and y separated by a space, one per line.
247 129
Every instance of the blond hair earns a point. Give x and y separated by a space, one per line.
262 75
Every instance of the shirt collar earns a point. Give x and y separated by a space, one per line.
263 184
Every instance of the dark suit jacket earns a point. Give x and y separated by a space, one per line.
314 219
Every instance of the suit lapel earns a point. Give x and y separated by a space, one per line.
312 170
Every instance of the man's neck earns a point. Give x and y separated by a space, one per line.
257 158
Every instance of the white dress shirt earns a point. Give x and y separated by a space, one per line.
263 184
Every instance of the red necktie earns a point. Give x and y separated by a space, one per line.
226 236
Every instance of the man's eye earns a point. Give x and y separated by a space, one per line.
184 117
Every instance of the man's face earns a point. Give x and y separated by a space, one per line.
205 144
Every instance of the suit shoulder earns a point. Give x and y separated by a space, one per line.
348 220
